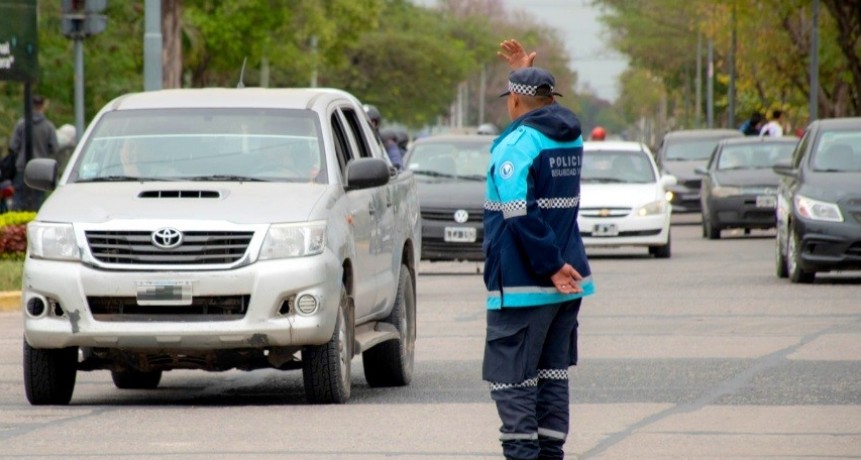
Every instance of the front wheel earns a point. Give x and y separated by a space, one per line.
661 252
711 230
391 363
793 258
49 374
779 260
326 368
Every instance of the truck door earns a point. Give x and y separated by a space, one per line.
359 204
382 214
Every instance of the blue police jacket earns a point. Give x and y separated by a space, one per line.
530 210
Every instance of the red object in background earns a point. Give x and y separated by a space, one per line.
799 132
598 134
7 192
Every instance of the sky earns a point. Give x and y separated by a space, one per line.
596 64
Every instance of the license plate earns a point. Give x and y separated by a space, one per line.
766 201
459 235
605 230
164 292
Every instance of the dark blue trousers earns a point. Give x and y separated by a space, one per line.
526 359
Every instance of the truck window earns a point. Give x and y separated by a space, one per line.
356 130
342 145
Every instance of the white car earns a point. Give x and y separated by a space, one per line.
623 198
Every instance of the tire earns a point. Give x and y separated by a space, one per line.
131 379
711 230
326 368
793 259
391 363
49 374
779 260
661 252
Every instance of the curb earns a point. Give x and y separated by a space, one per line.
10 301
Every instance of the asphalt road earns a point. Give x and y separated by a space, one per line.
706 355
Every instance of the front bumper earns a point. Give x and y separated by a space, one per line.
68 288
741 211
440 244
827 246
632 231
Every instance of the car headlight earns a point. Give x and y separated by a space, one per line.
817 210
52 241
651 209
294 240
722 191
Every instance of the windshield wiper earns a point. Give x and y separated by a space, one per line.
422 172
125 179
475 177
603 180
226 178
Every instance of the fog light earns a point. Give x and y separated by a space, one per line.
306 304
36 306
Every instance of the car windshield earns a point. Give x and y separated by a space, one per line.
690 149
838 151
754 156
203 144
622 167
450 160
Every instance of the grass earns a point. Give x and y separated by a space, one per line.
10 275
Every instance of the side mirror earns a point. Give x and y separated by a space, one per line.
701 171
41 173
366 173
668 180
784 168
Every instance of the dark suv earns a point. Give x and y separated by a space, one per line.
819 202
679 154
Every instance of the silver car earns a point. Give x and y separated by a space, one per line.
222 228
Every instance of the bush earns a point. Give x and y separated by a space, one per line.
13 234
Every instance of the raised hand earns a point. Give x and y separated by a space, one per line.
513 52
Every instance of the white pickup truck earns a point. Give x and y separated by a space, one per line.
222 229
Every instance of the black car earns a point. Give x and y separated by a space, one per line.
739 188
819 202
679 154
450 171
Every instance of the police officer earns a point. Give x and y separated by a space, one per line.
536 270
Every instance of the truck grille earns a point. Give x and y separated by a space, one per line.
198 248
202 308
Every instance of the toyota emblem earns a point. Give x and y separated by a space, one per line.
166 238
461 216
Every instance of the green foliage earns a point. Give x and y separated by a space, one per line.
16 218
11 271
13 234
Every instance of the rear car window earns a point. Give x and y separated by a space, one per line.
754 156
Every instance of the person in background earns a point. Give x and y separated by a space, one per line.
392 149
773 128
45 144
752 125
598 134
536 271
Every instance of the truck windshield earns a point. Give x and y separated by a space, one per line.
204 144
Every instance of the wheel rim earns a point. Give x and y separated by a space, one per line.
343 346
792 252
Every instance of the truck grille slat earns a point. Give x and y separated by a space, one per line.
136 247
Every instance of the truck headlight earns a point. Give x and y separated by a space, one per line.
294 240
651 209
817 210
52 241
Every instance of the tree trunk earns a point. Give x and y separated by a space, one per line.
847 15
171 55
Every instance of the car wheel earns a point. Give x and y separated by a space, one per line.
779 259
49 375
131 379
793 258
391 362
712 231
326 368
661 252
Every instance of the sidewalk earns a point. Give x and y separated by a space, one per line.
10 300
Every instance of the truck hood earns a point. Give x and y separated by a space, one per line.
241 203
